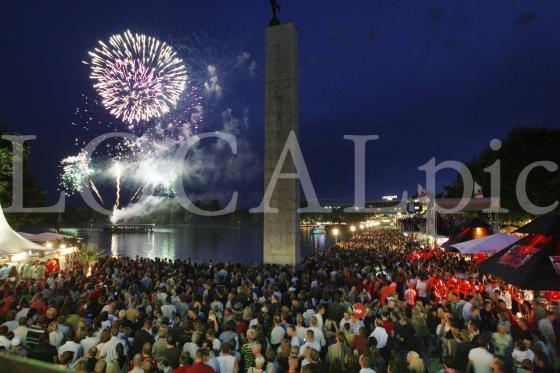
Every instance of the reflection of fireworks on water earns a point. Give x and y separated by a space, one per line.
138 77
77 174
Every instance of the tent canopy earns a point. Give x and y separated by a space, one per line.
473 229
12 243
488 244
45 236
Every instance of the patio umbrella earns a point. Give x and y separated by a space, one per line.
548 225
531 263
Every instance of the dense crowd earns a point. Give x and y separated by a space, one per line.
376 303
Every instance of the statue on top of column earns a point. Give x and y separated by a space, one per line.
275 8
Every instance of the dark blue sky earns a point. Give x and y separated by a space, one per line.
431 78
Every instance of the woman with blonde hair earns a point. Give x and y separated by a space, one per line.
259 365
247 314
81 329
55 336
415 363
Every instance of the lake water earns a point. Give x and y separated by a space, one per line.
199 243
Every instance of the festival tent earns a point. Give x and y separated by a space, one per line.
485 245
45 236
473 229
29 236
11 243
533 262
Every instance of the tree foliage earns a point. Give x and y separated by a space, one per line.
522 147
33 196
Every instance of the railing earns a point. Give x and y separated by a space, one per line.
17 364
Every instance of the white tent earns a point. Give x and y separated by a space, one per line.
487 244
44 237
12 243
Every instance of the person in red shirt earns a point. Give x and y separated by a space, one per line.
184 361
200 366
9 298
387 324
360 341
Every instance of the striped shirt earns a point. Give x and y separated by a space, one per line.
247 356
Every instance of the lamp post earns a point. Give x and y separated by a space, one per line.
335 233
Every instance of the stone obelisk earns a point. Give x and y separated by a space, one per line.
281 230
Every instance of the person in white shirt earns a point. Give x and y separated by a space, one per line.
168 310
71 345
480 360
421 288
109 307
319 315
317 332
380 334
228 363
277 333
89 341
4 341
21 330
294 339
521 353
109 350
467 308
192 346
12 322
346 319
364 364
56 337
301 330
309 343
22 313
357 324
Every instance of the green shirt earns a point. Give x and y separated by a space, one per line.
500 342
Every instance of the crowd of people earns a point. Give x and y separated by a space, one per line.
377 303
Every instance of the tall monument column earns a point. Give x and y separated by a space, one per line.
281 230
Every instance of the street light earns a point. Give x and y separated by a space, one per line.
335 233
352 229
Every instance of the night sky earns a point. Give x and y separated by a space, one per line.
431 78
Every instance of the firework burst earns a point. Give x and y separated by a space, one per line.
77 174
138 77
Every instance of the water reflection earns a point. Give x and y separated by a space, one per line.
199 243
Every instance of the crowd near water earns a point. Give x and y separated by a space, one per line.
377 303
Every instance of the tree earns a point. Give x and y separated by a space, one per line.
87 256
32 194
521 147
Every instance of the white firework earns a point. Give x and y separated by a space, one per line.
138 77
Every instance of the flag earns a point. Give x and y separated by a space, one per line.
477 191
422 194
